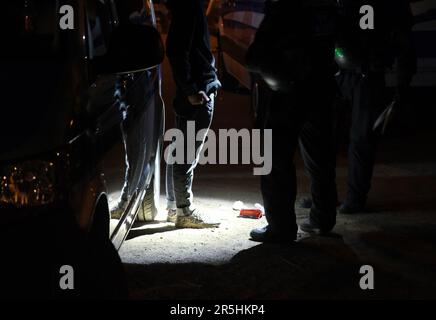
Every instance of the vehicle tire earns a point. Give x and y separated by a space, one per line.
105 276
149 207
102 274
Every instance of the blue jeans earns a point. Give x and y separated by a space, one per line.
179 176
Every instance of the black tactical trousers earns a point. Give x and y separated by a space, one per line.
306 116
366 95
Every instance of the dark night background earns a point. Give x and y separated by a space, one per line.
397 236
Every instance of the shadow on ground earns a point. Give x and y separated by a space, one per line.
397 237
313 268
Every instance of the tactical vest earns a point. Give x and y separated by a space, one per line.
294 43
364 50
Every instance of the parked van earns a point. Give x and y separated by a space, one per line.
82 123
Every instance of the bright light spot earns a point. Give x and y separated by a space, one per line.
339 53
271 82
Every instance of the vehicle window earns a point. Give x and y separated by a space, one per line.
29 29
100 24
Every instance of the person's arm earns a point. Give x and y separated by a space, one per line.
179 44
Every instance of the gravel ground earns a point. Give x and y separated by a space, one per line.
397 237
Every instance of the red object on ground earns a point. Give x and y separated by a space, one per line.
251 213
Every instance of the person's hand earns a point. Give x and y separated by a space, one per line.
198 99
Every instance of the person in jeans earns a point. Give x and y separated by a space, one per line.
193 66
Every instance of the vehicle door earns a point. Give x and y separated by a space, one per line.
141 95
105 105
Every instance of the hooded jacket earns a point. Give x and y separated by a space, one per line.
188 48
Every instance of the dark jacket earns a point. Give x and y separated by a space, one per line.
402 22
294 44
391 40
188 48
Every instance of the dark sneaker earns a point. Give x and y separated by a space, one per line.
304 203
346 208
172 215
192 219
310 227
265 234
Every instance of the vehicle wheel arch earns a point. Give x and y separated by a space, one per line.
99 225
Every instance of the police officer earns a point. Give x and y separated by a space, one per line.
364 56
293 53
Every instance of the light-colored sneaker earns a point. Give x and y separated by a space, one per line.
192 219
172 215
118 211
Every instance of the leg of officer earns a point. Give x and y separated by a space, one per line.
367 104
279 188
318 150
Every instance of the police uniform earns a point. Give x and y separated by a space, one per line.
300 111
366 56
